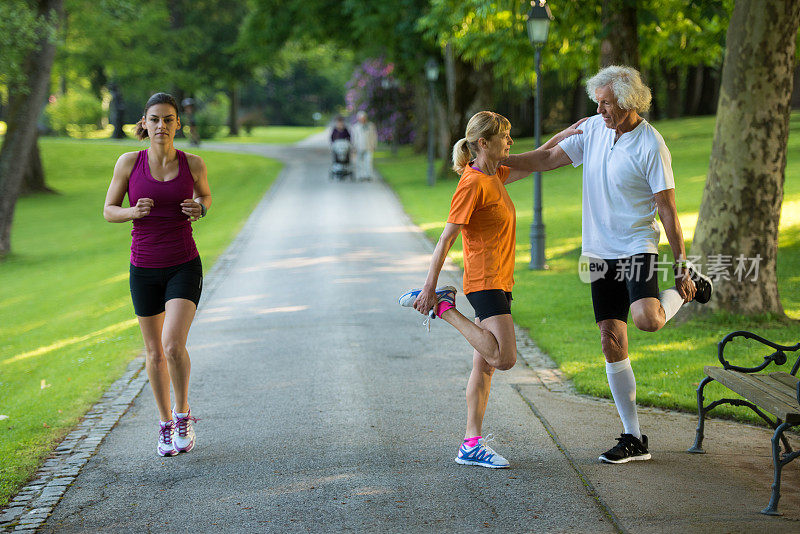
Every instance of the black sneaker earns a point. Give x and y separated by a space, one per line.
702 283
627 448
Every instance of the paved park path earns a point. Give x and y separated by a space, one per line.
325 407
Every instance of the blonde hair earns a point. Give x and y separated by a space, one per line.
483 124
626 84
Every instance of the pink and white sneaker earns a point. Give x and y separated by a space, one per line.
166 443
184 435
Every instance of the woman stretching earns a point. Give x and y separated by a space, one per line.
484 214
167 190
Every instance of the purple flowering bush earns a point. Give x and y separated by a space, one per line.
387 102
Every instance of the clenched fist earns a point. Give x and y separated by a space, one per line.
142 207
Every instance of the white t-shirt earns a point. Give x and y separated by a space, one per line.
619 181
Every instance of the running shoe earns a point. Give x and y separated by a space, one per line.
481 455
703 284
166 443
184 435
444 293
628 448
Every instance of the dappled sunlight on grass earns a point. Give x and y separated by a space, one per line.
114 328
790 214
114 279
572 367
432 226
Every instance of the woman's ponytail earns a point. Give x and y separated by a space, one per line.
461 155
140 132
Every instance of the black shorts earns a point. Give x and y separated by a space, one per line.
624 282
152 287
490 302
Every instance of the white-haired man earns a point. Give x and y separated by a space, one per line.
365 140
627 177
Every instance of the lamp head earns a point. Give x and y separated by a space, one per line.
539 18
431 70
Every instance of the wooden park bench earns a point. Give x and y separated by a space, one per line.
776 392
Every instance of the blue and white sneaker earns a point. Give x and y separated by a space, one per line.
442 293
481 455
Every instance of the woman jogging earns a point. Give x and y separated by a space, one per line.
167 190
482 211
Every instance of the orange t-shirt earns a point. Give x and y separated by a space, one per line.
481 203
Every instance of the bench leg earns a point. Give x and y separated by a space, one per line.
697 448
772 507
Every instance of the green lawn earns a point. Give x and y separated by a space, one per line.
259 134
556 307
271 134
66 321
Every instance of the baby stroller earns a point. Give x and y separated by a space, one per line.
341 169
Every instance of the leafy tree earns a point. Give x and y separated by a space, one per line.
303 78
119 46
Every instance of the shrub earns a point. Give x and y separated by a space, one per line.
211 116
77 113
388 103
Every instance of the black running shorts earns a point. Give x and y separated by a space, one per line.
152 287
624 282
490 302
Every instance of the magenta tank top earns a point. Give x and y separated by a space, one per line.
162 238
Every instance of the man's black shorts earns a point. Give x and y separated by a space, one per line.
624 282
152 287
490 302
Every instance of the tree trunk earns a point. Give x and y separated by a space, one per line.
462 97
796 90
741 208
449 127
420 115
23 114
233 113
709 92
621 43
33 181
444 142
117 111
694 87
672 81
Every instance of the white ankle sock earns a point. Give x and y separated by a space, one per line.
671 301
623 389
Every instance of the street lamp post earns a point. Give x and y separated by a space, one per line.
432 74
539 18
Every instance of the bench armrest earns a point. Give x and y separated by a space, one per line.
779 356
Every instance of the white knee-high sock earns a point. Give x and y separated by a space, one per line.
671 301
623 389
